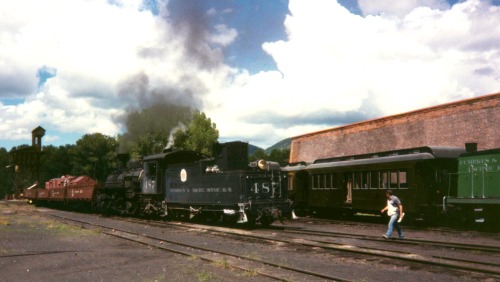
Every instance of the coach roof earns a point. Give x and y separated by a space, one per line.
412 154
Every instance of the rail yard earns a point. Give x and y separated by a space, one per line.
40 243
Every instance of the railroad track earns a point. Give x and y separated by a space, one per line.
475 266
289 236
450 245
276 271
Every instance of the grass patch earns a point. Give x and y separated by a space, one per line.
62 228
251 273
194 258
222 263
204 276
4 221
253 255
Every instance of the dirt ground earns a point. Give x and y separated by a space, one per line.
39 249
34 248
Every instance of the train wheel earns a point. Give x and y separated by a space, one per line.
251 221
229 219
265 221
119 206
102 204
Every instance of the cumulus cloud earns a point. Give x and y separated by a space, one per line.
398 8
101 58
78 65
337 67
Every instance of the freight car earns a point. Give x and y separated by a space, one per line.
73 191
356 184
477 199
187 184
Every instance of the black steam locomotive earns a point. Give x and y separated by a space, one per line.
185 184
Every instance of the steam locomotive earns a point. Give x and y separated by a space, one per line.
184 184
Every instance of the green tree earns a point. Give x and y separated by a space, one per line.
280 156
94 155
55 162
200 135
259 154
5 173
148 144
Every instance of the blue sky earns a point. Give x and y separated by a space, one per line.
261 70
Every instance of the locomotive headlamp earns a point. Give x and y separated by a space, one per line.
262 164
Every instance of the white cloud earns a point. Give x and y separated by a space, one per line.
93 47
337 63
225 35
398 8
334 67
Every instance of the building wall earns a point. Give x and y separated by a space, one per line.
452 125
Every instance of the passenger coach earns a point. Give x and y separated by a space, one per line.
357 184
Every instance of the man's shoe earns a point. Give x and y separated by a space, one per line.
385 237
401 237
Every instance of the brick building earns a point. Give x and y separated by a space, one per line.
452 125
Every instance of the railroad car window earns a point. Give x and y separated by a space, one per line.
384 180
328 180
321 184
357 180
352 180
403 183
314 181
334 181
394 179
365 179
374 180
152 170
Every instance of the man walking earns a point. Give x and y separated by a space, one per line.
394 210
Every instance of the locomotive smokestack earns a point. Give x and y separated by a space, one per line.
471 147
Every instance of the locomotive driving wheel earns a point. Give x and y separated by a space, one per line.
266 220
102 203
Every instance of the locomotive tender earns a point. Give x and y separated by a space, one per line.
188 184
357 184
